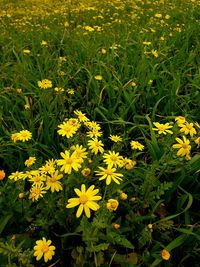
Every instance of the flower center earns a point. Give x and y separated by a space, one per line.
185 146
113 205
45 248
83 199
53 179
190 127
113 158
97 144
108 172
69 161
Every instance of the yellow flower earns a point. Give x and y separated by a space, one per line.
85 172
158 15
96 145
94 133
16 176
70 91
49 167
112 159
180 120
43 248
112 204
183 146
45 84
2 175
123 196
129 163
103 51
197 141
36 192
79 152
30 161
98 77
115 138
59 89
15 137
136 145
93 125
187 128
24 135
154 53
66 24
165 254
133 84
162 128
81 116
69 162
26 51
53 182
37 179
147 43
27 106
86 200
109 174
68 128
44 43
88 28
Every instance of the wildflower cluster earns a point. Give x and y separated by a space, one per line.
23 135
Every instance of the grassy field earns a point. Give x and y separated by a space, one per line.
99 133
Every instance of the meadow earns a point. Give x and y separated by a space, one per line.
99 133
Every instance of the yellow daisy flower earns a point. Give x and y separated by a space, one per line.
86 200
197 141
115 138
183 146
53 182
36 192
24 135
16 176
81 116
109 174
180 120
69 162
79 152
113 159
188 128
112 204
162 128
136 145
45 84
30 161
96 146
67 129
43 248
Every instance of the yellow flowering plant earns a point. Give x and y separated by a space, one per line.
87 178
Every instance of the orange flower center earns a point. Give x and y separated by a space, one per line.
53 179
69 161
45 248
83 199
185 146
113 158
108 172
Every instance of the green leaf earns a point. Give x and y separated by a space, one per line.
177 242
4 221
98 248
